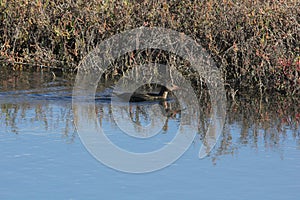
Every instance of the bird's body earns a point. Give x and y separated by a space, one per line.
139 97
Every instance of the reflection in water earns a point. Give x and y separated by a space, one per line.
34 102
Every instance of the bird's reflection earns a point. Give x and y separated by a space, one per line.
139 112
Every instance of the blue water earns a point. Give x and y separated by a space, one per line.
49 167
45 163
42 157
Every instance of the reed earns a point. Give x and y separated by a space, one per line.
256 42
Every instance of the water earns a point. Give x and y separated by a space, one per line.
42 156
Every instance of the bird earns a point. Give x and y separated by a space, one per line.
140 97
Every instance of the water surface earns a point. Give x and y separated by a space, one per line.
42 157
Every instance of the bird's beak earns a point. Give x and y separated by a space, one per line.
174 87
